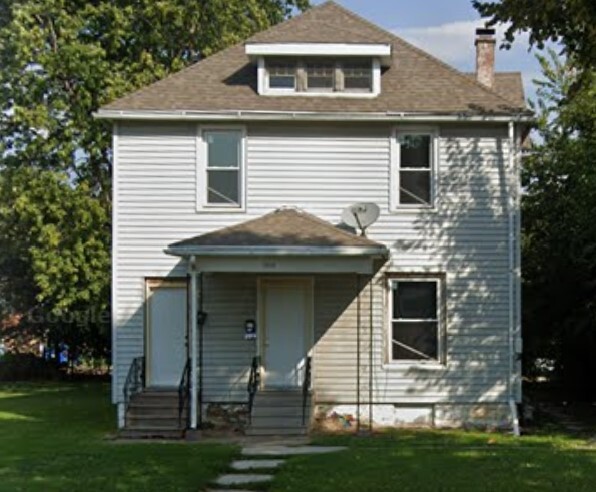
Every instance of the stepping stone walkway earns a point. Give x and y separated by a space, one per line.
245 466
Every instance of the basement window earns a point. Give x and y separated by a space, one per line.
415 312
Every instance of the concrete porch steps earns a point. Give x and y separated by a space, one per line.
279 413
153 414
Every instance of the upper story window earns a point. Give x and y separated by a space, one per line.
320 69
220 168
357 76
281 75
349 77
320 76
413 170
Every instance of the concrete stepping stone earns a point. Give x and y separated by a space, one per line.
289 450
241 465
242 479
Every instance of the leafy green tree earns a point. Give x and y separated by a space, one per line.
61 60
559 230
559 247
572 22
55 262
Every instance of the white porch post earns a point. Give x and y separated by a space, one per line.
193 345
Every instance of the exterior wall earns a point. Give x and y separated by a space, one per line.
322 169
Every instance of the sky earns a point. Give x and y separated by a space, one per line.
445 29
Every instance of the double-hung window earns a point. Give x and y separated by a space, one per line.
415 319
357 76
282 75
415 174
223 168
320 76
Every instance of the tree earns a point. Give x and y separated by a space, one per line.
559 243
61 60
572 22
559 230
55 262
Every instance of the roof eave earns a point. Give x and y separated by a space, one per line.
248 115
379 251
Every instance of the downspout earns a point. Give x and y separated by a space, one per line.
201 328
358 353
512 203
193 344
370 356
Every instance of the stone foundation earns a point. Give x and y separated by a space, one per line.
478 415
226 416
343 418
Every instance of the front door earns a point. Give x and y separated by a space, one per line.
287 314
166 332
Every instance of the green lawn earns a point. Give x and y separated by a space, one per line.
52 437
444 461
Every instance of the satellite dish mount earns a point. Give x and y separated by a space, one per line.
361 215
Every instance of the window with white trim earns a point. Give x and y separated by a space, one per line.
282 75
357 76
347 76
415 169
223 168
415 313
320 76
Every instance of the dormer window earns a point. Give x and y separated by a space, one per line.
319 69
319 76
281 75
357 76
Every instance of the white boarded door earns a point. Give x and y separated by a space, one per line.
287 315
166 332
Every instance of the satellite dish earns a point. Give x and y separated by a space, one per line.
361 215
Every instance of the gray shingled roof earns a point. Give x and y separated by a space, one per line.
282 228
416 82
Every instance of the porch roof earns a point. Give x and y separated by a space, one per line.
283 232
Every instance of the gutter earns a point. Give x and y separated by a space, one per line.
378 251
245 115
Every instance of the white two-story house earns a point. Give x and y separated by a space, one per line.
242 295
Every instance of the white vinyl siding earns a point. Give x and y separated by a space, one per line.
322 169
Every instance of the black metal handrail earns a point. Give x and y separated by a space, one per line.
254 381
306 387
184 394
135 380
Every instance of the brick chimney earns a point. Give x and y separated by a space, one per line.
485 56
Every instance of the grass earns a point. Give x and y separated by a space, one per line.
52 438
444 461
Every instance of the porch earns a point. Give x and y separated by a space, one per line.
244 333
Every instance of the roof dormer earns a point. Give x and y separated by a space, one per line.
319 69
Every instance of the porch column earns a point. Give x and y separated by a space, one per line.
193 344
